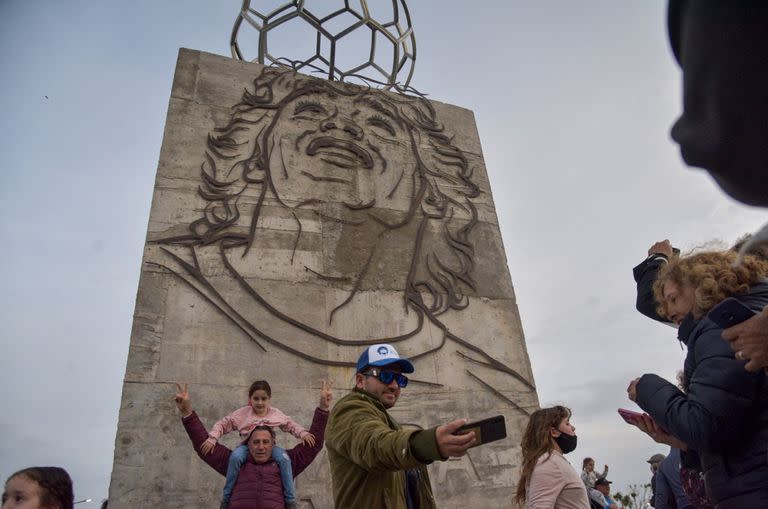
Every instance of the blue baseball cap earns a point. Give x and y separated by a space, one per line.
382 355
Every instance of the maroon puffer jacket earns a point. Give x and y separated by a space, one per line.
258 486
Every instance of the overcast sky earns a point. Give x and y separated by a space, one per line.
573 102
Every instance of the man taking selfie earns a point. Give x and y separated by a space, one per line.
375 463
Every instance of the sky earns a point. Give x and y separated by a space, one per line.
573 103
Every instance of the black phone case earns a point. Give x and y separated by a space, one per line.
487 430
730 312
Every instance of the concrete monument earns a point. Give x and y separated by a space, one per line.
294 221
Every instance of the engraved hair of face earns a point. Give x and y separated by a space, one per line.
371 152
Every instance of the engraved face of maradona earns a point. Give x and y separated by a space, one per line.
375 243
353 150
336 217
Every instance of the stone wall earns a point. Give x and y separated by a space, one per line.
294 221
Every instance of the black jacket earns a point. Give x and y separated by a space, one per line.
723 414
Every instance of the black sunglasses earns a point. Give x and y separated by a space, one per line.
386 377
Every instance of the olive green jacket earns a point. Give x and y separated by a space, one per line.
369 454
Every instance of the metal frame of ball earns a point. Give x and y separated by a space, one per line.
263 23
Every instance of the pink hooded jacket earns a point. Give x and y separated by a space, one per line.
244 419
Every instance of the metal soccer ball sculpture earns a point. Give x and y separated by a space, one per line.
388 61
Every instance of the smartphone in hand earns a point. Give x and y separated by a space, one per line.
632 417
629 416
487 430
730 312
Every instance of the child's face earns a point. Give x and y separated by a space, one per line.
260 402
21 493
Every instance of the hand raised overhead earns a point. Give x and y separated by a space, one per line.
326 394
661 247
182 399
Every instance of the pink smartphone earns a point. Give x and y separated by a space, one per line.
629 416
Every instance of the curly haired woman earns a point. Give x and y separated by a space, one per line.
722 414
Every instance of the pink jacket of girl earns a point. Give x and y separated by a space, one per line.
244 419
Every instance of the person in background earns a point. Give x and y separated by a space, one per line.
603 486
669 487
654 461
547 480
589 476
39 488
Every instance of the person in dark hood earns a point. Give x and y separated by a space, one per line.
722 49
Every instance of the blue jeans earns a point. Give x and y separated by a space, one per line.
237 460
286 473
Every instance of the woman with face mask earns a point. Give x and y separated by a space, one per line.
547 480
722 411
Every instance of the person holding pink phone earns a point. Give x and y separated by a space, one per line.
723 412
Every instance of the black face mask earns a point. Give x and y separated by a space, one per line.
566 442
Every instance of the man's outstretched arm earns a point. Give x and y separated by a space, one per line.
218 458
302 455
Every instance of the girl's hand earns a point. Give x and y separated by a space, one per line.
309 439
325 395
647 425
207 446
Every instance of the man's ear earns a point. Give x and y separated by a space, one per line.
359 378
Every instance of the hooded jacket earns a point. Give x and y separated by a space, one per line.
722 47
369 455
258 486
723 415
